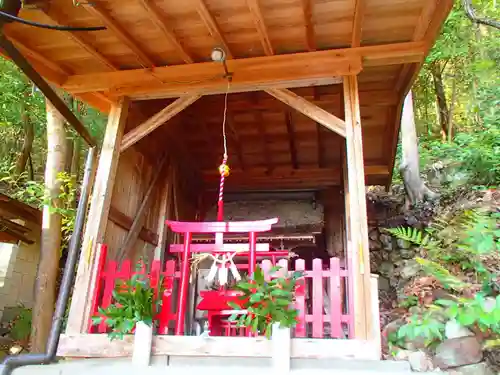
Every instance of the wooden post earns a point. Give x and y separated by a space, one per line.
78 318
377 339
45 284
356 217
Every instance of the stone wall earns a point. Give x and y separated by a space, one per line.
18 266
460 352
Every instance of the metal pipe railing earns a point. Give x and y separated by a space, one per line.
13 362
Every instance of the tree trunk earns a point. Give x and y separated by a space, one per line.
416 191
48 267
75 163
441 99
29 135
68 161
452 107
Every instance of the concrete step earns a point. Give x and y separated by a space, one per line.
220 366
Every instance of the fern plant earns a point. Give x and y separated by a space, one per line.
460 252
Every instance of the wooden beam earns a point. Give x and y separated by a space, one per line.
154 14
310 110
291 139
212 26
359 257
308 24
99 345
78 319
250 74
287 178
156 121
58 19
260 25
357 24
392 54
125 222
99 12
124 252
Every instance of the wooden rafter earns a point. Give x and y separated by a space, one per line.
260 25
357 24
57 19
310 110
98 11
212 26
155 15
291 139
308 24
251 74
156 121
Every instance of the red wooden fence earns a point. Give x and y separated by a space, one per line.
320 312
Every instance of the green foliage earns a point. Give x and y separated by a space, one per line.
468 56
462 253
267 301
20 327
134 301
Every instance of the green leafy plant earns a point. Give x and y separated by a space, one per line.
267 301
20 327
462 253
134 301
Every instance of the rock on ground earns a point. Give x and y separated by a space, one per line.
420 361
458 352
476 369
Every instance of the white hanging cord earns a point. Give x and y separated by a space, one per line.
224 119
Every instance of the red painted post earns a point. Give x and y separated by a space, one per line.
184 285
300 300
252 262
317 295
98 284
166 306
335 299
109 286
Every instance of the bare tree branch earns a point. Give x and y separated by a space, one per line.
470 12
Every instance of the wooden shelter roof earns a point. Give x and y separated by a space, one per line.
160 49
12 210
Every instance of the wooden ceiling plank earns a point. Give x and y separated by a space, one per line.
236 139
99 12
291 139
309 26
250 74
49 69
212 26
425 19
156 121
258 20
357 24
56 19
310 110
154 14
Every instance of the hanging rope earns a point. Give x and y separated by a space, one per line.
223 168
